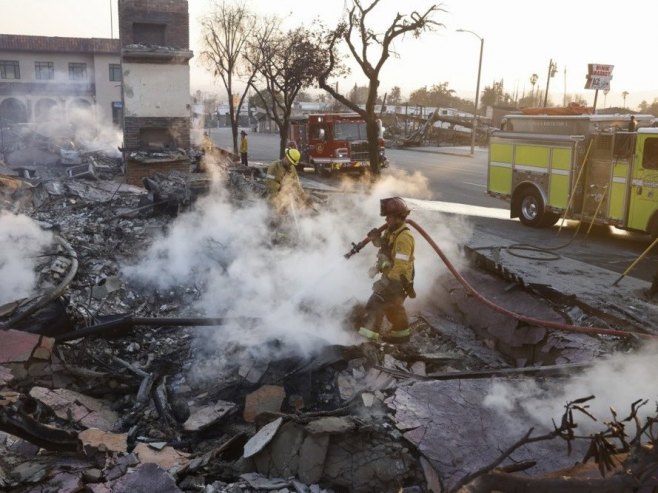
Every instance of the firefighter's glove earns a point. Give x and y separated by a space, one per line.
374 235
373 271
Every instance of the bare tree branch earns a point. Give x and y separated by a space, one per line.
359 38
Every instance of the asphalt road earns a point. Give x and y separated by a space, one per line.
459 179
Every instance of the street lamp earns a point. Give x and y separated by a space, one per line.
477 89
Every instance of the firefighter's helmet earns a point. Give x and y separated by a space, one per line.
293 155
393 206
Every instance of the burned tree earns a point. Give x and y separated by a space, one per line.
359 39
291 62
226 31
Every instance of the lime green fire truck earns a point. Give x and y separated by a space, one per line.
592 168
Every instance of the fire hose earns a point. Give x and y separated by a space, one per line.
564 327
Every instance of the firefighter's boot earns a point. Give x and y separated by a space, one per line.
397 336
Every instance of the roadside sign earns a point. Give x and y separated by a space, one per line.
598 76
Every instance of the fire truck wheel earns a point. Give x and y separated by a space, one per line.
550 218
531 210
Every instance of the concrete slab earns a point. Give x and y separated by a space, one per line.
590 285
426 413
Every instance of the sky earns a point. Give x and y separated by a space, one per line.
520 38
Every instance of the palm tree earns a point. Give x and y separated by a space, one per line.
533 80
624 94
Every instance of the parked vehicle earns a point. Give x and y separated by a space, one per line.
588 167
334 142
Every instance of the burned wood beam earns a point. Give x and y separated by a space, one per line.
25 427
550 370
127 322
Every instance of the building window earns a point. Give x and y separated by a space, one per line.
115 72
9 69
44 70
149 34
77 71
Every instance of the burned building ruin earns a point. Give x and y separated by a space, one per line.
155 58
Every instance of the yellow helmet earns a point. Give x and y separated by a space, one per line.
293 155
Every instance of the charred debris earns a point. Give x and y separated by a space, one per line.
100 388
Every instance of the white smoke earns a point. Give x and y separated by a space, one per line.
616 381
21 240
294 280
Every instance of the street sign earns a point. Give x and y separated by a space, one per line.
598 76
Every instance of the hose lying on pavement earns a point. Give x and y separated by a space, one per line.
522 318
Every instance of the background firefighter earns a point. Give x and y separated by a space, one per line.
395 262
283 187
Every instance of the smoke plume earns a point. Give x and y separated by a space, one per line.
616 381
291 277
21 240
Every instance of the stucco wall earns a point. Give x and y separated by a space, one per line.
156 90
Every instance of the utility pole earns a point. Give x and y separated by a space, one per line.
552 69
477 90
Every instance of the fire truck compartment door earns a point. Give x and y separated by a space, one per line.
644 189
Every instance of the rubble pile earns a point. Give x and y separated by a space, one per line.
99 393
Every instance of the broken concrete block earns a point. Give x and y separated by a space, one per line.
94 439
331 425
6 376
119 466
378 380
368 399
264 436
82 409
393 364
166 458
311 458
208 415
260 482
266 398
418 368
29 472
281 457
18 346
147 477
92 475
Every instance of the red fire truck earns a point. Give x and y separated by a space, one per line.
334 142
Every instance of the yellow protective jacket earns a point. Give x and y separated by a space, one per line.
279 178
398 248
244 145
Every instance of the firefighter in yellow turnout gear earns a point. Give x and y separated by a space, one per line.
395 262
282 182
